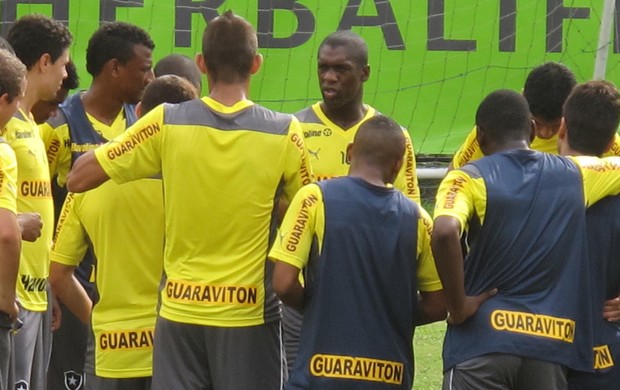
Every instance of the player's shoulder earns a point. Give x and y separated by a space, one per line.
57 120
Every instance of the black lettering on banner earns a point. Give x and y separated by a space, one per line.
266 22
385 19
60 11
556 13
507 25
436 40
107 8
183 19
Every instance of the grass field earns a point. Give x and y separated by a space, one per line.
427 348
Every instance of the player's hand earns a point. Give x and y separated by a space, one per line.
10 308
472 303
611 310
56 314
30 225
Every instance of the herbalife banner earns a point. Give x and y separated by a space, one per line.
432 61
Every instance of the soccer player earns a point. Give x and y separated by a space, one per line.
12 86
223 160
42 44
330 125
180 65
44 109
119 58
530 252
366 248
546 88
120 354
591 117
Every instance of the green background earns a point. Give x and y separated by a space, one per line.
432 93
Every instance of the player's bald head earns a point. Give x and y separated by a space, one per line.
356 47
179 65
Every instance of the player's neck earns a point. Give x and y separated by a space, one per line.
347 115
31 94
229 94
369 174
505 146
102 103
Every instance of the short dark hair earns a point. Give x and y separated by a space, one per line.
35 35
379 141
72 81
546 89
592 115
12 73
504 116
114 40
167 89
356 46
179 65
229 45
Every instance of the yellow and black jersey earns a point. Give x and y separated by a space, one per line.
223 169
33 195
327 147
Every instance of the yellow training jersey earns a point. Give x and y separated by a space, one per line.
470 150
8 177
308 206
125 225
462 196
55 134
33 195
327 148
223 168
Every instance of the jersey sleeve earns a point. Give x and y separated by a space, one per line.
58 151
469 151
71 240
407 179
601 177
303 222
426 274
297 169
8 178
136 153
461 196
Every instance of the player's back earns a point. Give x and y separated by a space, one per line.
223 168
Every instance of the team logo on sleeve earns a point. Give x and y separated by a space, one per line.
73 380
22 385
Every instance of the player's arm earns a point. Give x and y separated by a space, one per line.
454 207
69 248
86 174
10 246
10 235
407 179
297 169
56 139
431 297
303 221
133 155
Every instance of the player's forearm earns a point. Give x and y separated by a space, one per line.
286 285
86 174
10 245
431 307
446 248
69 291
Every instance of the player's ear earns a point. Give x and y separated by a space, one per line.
349 151
256 63
562 131
532 131
139 109
365 73
200 62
